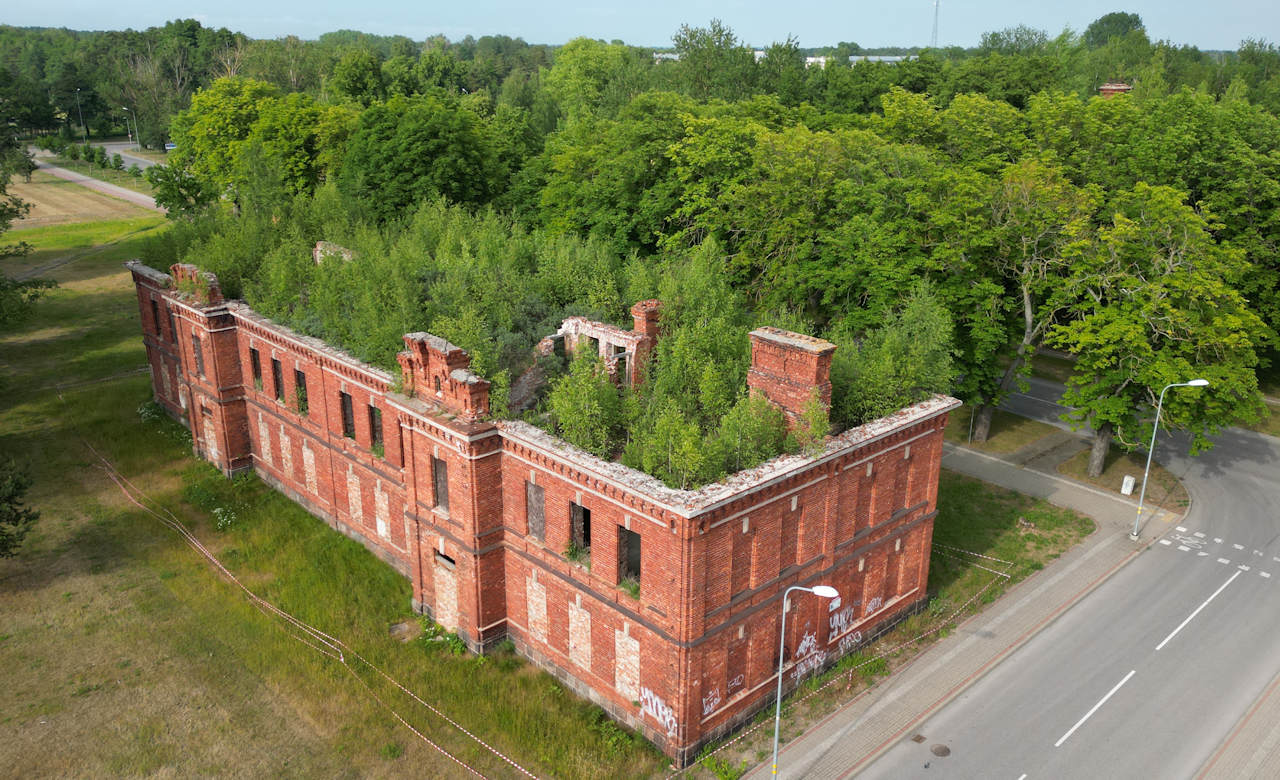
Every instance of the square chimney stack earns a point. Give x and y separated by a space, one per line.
787 368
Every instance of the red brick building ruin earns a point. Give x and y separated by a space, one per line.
479 513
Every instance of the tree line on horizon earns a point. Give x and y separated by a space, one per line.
1137 233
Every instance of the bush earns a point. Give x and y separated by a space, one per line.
135 171
117 162
71 151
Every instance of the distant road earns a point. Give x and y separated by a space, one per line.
122 148
137 198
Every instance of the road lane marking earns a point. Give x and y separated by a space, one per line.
1266 574
1244 568
1223 561
1181 530
1024 776
1203 554
1089 714
1184 623
1217 540
1165 542
1183 548
1238 546
1199 534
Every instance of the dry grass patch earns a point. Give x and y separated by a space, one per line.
1165 490
56 201
1009 432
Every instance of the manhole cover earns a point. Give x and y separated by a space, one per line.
918 738
940 750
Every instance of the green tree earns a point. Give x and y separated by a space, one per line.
15 519
411 149
178 192
358 77
713 62
210 134
1158 304
1113 25
586 407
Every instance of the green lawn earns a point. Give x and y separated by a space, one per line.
109 175
1009 432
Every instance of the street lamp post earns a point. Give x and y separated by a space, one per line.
126 124
824 591
1151 450
84 131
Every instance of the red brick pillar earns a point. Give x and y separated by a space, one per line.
788 368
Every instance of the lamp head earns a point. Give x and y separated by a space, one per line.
1198 383
825 591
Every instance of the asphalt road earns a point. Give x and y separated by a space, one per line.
1149 674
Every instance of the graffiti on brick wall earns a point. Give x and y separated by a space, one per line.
808 656
873 605
651 704
840 621
850 641
710 701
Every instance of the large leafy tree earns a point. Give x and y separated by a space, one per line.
1157 304
210 134
410 149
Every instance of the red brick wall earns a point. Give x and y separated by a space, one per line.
696 652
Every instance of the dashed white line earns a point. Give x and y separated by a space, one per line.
1217 540
1184 623
1238 546
1203 554
1165 542
1182 530
1199 534
1244 568
1265 574
1183 548
1024 776
1089 714
1223 561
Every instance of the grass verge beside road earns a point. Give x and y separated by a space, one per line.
109 175
1165 490
1009 432
60 202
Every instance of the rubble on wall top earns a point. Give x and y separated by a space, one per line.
244 311
147 272
464 376
434 342
799 340
689 502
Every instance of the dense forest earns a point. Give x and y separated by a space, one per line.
942 218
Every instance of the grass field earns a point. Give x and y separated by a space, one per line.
126 654
1165 489
1009 432
56 201
109 175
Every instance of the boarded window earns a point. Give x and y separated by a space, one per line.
440 481
535 511
375 429
580 526
348 415
300 391
277 377
255 365
198 353
628 555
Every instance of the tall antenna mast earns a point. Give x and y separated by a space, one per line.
933 44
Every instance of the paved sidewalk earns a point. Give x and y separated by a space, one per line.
137 198
853 736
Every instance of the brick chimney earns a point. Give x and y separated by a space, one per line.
788 367
439 372
646 316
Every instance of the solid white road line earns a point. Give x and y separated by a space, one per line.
1184 623
1024 776
1089 714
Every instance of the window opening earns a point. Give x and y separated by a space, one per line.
255 364
440 481
300 391
375 430
348 416
277 377
444 559
155 316
535 510
173 329
199 354
628 555
580 526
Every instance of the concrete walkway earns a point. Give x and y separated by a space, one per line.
853 736
136 198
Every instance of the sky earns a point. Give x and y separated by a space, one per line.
1203 23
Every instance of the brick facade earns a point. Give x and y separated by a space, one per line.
479 514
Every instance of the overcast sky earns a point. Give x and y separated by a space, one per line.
1204 23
